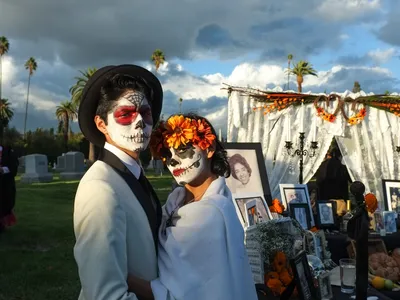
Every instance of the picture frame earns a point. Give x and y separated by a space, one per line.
301 213
324 286
378 221
248 172
326 214
390 221
263 211
296 193
303 277
391 195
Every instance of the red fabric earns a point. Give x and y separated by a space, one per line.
9 220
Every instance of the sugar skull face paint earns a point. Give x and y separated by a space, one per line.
130 122
186 164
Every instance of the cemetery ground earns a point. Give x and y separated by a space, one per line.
36 255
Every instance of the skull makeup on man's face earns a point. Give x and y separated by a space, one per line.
130 123
187 163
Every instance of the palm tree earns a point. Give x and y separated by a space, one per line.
289 59
180 105
4 47
76 95
6 114
31 66
158 58
77 88
301 69
65 113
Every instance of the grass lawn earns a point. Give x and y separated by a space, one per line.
36 259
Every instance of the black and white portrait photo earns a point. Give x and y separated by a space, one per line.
326 213
389 219
391 193
248 173
262 210
301 213
296 194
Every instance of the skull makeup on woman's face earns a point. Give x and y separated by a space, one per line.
130 123
187 163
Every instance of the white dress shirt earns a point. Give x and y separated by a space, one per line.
128 161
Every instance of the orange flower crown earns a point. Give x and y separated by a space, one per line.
179 130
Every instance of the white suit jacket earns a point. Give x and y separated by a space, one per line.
113 236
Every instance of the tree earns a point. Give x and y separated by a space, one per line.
31 66
4 47
356 87
180 105
301 69
158 58
65 113
289 60
76 95
77 89
6 114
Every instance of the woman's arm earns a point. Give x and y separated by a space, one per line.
141 288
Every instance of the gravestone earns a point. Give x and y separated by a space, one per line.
36 169
74 166
60 164
151 164
21 164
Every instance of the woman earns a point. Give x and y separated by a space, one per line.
201 240
240 170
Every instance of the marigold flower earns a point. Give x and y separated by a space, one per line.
276 207
179 131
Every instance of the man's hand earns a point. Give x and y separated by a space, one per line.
140 287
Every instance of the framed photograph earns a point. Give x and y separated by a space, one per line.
301 213
391 195
303 277
248 172
296 193
324 287
390 221
326 214
378 220
263 213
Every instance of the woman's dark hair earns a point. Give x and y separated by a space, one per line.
114 88
238 159
219 161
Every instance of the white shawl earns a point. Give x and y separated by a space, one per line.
202 255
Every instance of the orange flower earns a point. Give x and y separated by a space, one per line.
179 131
314 229
371 202
279 262
204 136
276 207
275 286
285 277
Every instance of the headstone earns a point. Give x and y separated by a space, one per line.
151 165
74 166
21 164
159 167
36 169
60 164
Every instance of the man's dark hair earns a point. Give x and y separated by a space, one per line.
238 159
219 161
114 88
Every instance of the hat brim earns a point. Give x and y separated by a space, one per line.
91 96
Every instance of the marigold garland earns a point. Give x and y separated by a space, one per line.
324 114
276 207
371 202
177 131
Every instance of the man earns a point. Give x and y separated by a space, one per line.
8 171
117 213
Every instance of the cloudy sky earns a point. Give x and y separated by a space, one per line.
206 43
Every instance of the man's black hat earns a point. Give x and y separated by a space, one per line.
91 96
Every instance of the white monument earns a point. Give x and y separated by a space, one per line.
60 163
36 169
74 166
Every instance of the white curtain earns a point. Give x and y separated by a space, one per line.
368 148
369 151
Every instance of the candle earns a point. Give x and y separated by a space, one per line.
314 136
289 129
220 134
302 117
398 139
